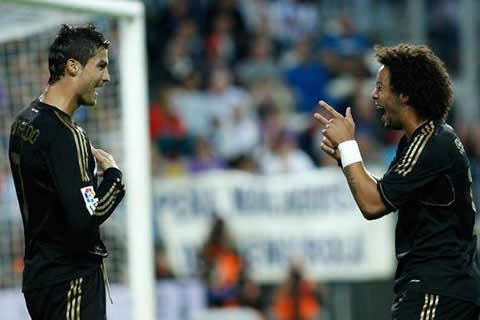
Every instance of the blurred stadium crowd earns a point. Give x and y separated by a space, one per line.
233 85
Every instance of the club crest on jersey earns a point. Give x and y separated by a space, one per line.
88 194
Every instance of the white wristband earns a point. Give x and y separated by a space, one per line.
349 153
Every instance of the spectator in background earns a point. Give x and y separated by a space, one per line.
257 16
235 130
343 51
272 93
443 32
246 163
228 10
284 156
204 157
188 33
307 76
192 105
292 20
220 45
167 129
310 140
180 56
272 122
224 270
162 25
296 298
343 48
238 136
259 65
177 62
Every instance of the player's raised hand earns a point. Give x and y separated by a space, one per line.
104 160
332 113
338 128
328 148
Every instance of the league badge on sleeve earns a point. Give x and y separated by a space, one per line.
88 194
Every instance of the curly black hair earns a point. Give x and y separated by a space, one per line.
79 43
418 73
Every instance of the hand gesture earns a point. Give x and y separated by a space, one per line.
104 160
338 129
328 148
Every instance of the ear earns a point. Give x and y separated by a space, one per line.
72 67
404 98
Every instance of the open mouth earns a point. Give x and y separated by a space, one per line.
379 107
380 112
96 90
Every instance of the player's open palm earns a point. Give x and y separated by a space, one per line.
104 160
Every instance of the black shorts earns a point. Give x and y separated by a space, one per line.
415 303
78 299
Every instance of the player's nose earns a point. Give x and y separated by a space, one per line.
106 76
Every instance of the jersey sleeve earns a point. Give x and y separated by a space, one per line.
424 160
85 206
110 192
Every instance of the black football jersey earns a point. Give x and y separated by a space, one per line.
62 204
429 184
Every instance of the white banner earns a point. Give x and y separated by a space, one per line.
274 220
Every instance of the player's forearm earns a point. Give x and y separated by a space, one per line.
110 192
364 190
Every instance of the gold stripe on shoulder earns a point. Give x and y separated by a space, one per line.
79 144
410 161
420 150
410 149
83 146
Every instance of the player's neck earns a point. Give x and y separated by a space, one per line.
411 122
60 96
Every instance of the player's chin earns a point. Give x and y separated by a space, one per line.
88 102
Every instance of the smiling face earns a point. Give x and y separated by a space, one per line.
386 100
93 75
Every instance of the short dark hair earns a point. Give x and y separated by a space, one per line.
79 43
419 74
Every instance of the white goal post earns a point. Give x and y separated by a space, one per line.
136 167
